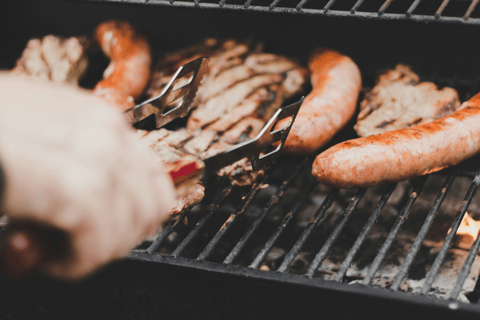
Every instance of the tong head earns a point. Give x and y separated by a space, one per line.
253 148
170 94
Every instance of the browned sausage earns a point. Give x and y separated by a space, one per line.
402 154
130 59
336 85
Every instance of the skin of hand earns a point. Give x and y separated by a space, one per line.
73 162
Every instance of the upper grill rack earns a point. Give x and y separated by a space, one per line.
448 11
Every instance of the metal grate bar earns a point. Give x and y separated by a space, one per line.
356 6
441 8
432 274
384 7
335 233
247 4
239 210
407 262
394 232
266 210
274 4
286 220
412 8
213 207
196 2
470 9
287 261
222 3
299 6
166 232
465 269
329 5
358 243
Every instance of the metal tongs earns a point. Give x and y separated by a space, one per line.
252 149
37 244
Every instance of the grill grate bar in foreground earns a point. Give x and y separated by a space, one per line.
239 210
166 232
213 207
432 274
465 269
335 233
394 231
286 220
412 252
470 9
361 237
266 210
327 202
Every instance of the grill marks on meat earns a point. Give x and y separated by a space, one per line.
54 59
399 101
241 90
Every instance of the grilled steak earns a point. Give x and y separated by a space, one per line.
399 101
182 151
54 59
241 90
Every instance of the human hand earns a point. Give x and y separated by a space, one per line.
73 163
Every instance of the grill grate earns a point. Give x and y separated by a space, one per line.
244 227
448 11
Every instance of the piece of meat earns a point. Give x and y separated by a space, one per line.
241 89
54 59
403 154
399 101
336 83
128 73
185 169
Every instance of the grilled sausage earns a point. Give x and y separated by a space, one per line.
402 154
130 59
336 83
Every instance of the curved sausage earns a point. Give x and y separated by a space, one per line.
402 154
336 83
130 59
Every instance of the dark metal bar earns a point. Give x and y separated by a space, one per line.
335 233
266 210
384 7
394 232
299 6
361 237
329 5
274 4
412 8
287 261
247 4
239 210
286 220
465 269
441 8
356 6
412 252
432 274
213 207
470 9
166 232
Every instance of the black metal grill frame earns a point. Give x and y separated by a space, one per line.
329 10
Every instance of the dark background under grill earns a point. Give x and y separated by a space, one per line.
197 283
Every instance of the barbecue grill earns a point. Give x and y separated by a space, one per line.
286 246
